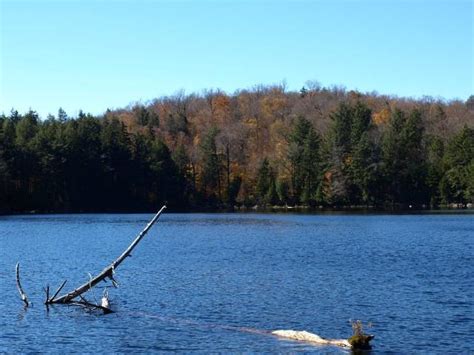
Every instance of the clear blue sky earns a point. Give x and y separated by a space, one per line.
95 54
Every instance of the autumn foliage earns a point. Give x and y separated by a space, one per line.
260 147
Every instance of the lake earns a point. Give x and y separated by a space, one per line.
218 282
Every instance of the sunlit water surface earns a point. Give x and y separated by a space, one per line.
205 282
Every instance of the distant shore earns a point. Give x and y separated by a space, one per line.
303 209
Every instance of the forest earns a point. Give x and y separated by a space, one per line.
265 147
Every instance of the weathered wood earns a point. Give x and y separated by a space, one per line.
50 300
90 305
104 302
310 338
23 296
46 291
109 270
356 342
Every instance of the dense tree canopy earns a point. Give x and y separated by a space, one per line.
317 147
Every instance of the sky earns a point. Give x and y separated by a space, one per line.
99 54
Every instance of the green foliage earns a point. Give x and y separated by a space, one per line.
83 164
26 129
351 158
456 185
470 103
62 115
404 159
210 161
435 169
234 190
282 189
304 157
266 187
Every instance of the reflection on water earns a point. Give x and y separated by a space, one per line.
220 282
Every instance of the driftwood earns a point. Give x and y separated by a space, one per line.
356 342
18 286
109 271
75 297
310 338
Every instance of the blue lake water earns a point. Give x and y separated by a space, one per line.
217 282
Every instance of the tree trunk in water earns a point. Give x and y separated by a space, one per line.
108 272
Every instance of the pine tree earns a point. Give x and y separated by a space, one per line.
210 162
263 179
403 158
457 183
435 168
304 157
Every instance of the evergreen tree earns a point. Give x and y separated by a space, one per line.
341 129
14 117
364 171
26 129
142 115
182 162
311 161
457 183
4 171
392 156
403 158
334 186
116 159
166 184
265 190
304 157
234 188
435 168
140 174
210 161
282 190
51 154
85 176
62 115
350 159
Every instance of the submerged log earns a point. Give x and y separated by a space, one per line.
108 272
356 342
310 338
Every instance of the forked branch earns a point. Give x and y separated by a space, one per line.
107 272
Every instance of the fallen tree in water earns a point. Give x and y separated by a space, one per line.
76 297
302 335
358 341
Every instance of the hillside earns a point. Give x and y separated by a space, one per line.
265 146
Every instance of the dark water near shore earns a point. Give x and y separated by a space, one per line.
197 279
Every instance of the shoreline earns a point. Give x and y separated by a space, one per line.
298 209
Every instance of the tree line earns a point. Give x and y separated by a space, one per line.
265 147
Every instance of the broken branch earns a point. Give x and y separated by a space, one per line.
50 300
109 270
18 285
89 305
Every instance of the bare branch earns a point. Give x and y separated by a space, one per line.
109 270
91 306
46 290
50 300
23 296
